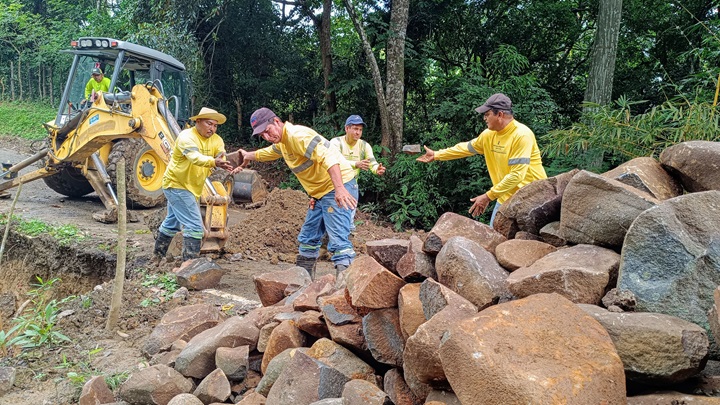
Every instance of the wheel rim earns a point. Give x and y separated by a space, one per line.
149 170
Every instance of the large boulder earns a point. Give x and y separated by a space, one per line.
533 206
181 323
654 348
154 385
671 257
646 174
597 210
695 163
581 273
471 271
450 224
538 350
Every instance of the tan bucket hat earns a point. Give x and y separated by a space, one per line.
209 114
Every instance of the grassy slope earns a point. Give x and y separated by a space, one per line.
25 120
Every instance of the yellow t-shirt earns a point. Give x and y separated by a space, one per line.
309 156
511 155
92 84
192 159
361 150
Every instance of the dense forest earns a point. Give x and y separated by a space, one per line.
599 81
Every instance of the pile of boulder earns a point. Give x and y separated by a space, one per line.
591 289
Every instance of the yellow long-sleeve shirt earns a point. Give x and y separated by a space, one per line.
309 156
360 150
192 160
511 155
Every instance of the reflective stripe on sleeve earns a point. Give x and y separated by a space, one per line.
519 161
276 149
471 149
303 166
312 146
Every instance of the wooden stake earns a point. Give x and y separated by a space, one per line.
121 249
9 220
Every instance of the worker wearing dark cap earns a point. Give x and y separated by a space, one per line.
511 154
326 177
98 82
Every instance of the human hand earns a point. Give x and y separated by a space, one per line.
344 199
380 169
428 157
480 203
223 164
236 170
363 164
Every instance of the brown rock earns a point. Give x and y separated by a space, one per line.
466 268
450 224
672 398
213 388
341 359
442 398
305 380
200 274
284 336
264 336
371 286
313 323
695 163
540 349
181 323
516 253
533 206
271 287
381 329
96 392
397 389
416 265
435 297
361 392
582 220
410 309
307 299
580 273
343 322
185 399
233 361
550 234
253 398
646 174
387 252
154 385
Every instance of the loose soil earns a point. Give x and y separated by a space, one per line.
262 239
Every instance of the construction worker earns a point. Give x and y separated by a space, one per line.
325 176
98 82
196 152
357 151
511 154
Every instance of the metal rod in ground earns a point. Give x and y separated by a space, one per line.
9 220
121 249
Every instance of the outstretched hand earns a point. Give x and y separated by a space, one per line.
223 164
480 203
428 157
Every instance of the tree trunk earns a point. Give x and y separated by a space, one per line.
12 81
377 80
238 111
326 55
396 71
19 77
602 66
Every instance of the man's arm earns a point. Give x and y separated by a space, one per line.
342 196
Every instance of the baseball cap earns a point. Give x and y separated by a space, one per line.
497 101
260 119
354 120
96 71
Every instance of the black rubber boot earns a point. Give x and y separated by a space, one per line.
307 263
191 248
162 243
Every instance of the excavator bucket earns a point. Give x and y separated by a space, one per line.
248 187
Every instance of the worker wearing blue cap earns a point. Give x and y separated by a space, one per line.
357 151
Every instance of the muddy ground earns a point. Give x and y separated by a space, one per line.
262 240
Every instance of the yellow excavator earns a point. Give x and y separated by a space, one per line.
138 119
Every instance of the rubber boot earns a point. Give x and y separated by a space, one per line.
339 268
191 248
307 263
162 243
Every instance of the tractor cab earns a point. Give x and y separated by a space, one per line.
124 64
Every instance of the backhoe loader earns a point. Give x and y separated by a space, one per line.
132 120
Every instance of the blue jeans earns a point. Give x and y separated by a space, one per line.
495 210
183 214
336 221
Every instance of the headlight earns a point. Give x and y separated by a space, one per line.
104 43
97 43
85 43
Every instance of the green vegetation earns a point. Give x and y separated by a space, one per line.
78 373
63 233
24 119
165 284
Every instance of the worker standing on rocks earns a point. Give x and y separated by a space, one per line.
196 152
511 154
357 151
326 177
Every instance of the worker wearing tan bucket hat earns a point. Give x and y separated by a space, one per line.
196 152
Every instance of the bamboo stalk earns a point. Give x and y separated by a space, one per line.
121 249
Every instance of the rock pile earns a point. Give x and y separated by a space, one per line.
592 289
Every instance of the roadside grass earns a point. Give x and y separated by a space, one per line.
25 119
63 233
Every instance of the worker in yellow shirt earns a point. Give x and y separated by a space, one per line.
357 151
326 177
196 152
98 82
511 154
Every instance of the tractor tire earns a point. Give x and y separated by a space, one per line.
69 182
144 170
